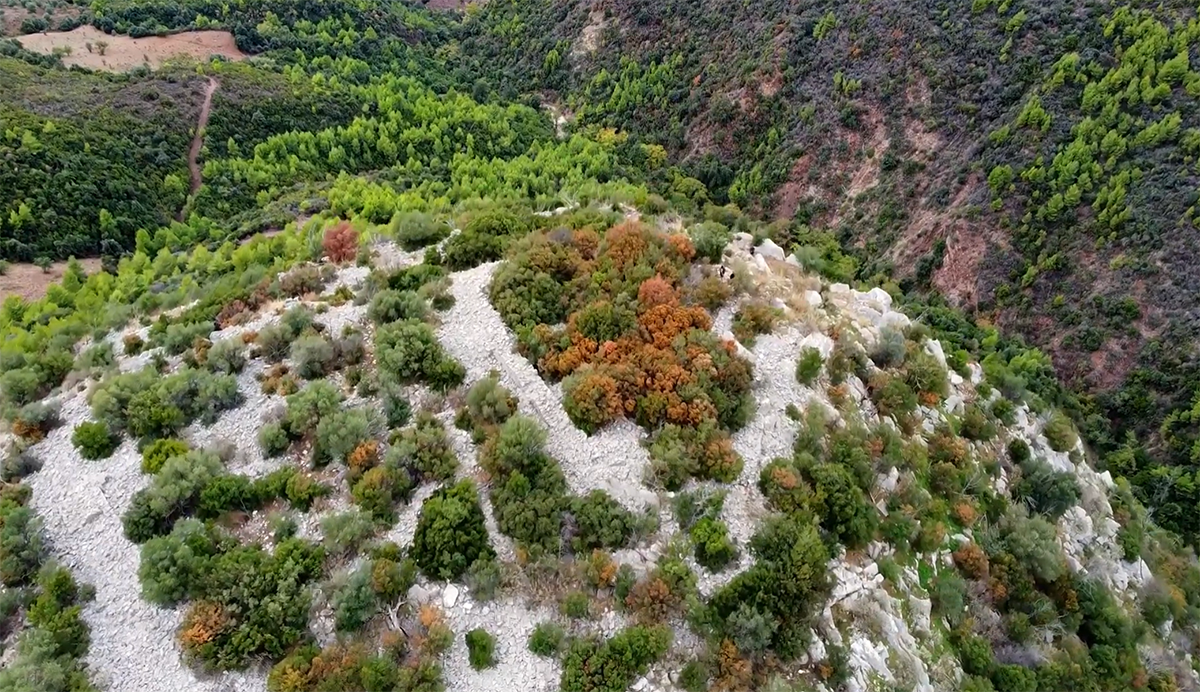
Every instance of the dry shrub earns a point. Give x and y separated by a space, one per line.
430 615
587 242
734 673
656 291
662 323
31 432
670 368
929 399
971 559
340 243
204 622
591 399
601 570
682 245
651 600
364 457
235 312
965 513
249 337
625 243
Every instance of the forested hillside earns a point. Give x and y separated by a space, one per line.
1032 163
669 346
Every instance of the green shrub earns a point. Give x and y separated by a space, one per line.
22 547
314 356
892 395
469 249
576 604
483 579
889 351
1045 490
925 374
948 595
228 492
1033 542
751 629
481 649
975 424
94 441
694 677
1004 411
547 639
173 492
273 439
808 366
307 407
709 239
390 306
713 547
392 576
1018 451
18 464
274 341
344 533
425 449
414 230
341 432
172 566
841 505
601 522
396 409
151 414
408 352
301 490
1060 432
157 453
96 357
179 337
787 580
596 665
753 319
353 601
226 356
380 488
450 533
489 402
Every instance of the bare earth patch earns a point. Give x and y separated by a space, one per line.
125 53
30 282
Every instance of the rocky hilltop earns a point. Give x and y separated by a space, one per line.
599 448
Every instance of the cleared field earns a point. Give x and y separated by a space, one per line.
30 282
124 53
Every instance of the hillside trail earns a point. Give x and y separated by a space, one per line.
198 140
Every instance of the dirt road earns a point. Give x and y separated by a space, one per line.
198 140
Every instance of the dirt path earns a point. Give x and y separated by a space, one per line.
198 140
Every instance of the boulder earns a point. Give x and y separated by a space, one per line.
770 250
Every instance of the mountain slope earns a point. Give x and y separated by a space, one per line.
1033 162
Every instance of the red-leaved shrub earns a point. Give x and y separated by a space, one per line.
340 243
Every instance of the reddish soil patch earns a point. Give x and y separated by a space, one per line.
1112 363
125 53
30 282
957 278
797 188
